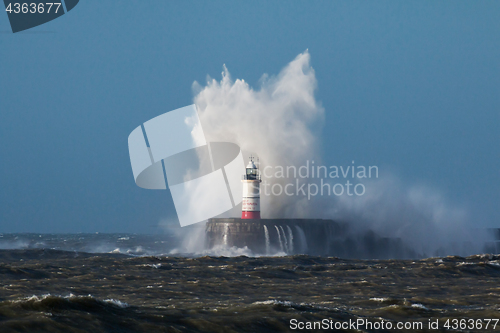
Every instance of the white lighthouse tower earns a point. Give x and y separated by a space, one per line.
251 192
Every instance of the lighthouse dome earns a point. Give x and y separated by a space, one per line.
251 165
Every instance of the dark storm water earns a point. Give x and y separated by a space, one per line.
48 284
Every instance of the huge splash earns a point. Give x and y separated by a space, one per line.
281 121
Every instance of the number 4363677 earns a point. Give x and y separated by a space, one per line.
33 8
471 324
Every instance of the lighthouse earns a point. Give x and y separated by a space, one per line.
251 192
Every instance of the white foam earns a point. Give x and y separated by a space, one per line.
224 251
116 302
292 304
70 297
464 263
419 306
274 302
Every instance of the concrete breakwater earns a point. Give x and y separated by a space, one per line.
302 236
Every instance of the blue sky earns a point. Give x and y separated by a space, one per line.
413 87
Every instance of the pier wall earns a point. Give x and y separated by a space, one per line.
302 236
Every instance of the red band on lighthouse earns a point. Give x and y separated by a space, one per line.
250 215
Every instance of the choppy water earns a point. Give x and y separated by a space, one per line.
139 287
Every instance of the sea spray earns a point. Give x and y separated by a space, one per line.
285 240
290 236
302 239
281 121
226 232
266 235
279 238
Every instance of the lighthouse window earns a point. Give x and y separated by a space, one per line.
251 173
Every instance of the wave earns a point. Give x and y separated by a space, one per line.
50 302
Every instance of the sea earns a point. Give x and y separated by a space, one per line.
139 283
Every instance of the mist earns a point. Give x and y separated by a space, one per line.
281 123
